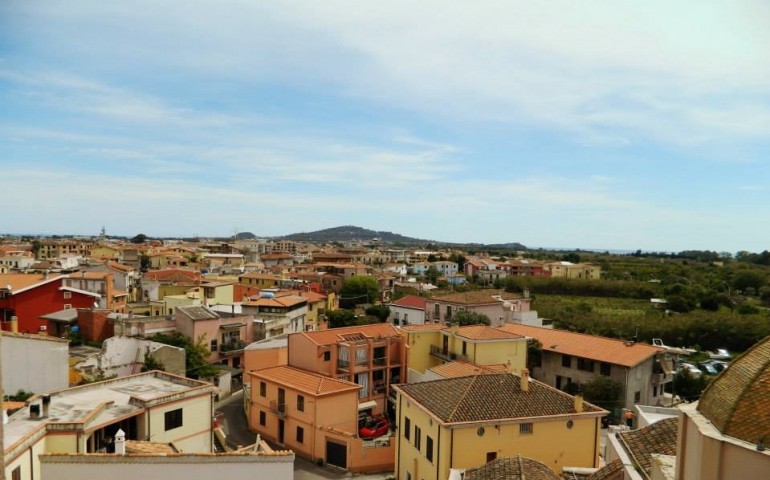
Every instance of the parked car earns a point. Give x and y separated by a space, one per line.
719 365
721 354
690 368
707 367
376 427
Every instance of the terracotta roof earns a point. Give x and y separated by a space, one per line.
737 401
602 349
475 297
120 266
90 275
23 281
198 312
281 302
660 438
484 332
491 397
262 276
173 274
304 381
411 301
465 369
335 335
611 471
509 468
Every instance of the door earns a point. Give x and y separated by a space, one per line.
281 429
445 347
336 454
282 400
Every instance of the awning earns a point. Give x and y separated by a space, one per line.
367 405
232 326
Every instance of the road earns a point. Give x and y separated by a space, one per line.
236 428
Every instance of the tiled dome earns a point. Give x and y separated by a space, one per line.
737 402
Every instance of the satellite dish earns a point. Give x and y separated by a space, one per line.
96 304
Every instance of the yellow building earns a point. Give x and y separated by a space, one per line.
150 406
466 422
431 345
106 251
585 271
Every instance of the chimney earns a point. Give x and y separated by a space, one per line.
579 403
15 324
46 405
120 442
524 380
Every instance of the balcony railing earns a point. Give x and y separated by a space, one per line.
448 356
232 346
278 408
343 365
380 360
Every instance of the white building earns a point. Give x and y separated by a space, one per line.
33 363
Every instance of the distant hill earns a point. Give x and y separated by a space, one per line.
245 236
349 233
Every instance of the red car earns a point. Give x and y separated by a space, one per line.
376 427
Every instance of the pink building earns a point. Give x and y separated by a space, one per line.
226 336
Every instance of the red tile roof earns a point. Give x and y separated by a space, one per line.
304 381
335 335
411 301
484 332
466 369
602 349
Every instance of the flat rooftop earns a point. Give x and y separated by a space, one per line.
102 403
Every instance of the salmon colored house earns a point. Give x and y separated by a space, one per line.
371 356
316 417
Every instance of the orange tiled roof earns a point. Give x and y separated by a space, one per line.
657 438
592 347
120 266
21 281
466 369
411 301
737 401
334 335
510 468
484 332
173 273
282 301
304 381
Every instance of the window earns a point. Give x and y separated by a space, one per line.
67 306
300 435
300 403
637 397
525 428
262 389
213 345
566 361
327 356
262 418
605 369
407 427
67 295
655 391
491 456
465 348
16 474
429 448
585 365
173 419
417 438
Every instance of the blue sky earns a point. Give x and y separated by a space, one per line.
617 125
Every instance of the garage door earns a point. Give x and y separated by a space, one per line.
336 454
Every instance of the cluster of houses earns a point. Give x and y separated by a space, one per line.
418 395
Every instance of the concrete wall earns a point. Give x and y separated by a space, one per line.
194 436
124 356
34 363
264 358
189 467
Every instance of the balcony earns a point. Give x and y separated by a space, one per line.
446 356
379 361
343 365
278 408
232 346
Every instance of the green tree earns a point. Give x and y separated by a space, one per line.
144 263
466 317
680 303
151 363
604 392
749 280
688 386
432 274
357 290
380 312
534 353
341 318
140 238
36 246
196 353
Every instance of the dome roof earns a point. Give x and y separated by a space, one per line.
511 468
737 402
